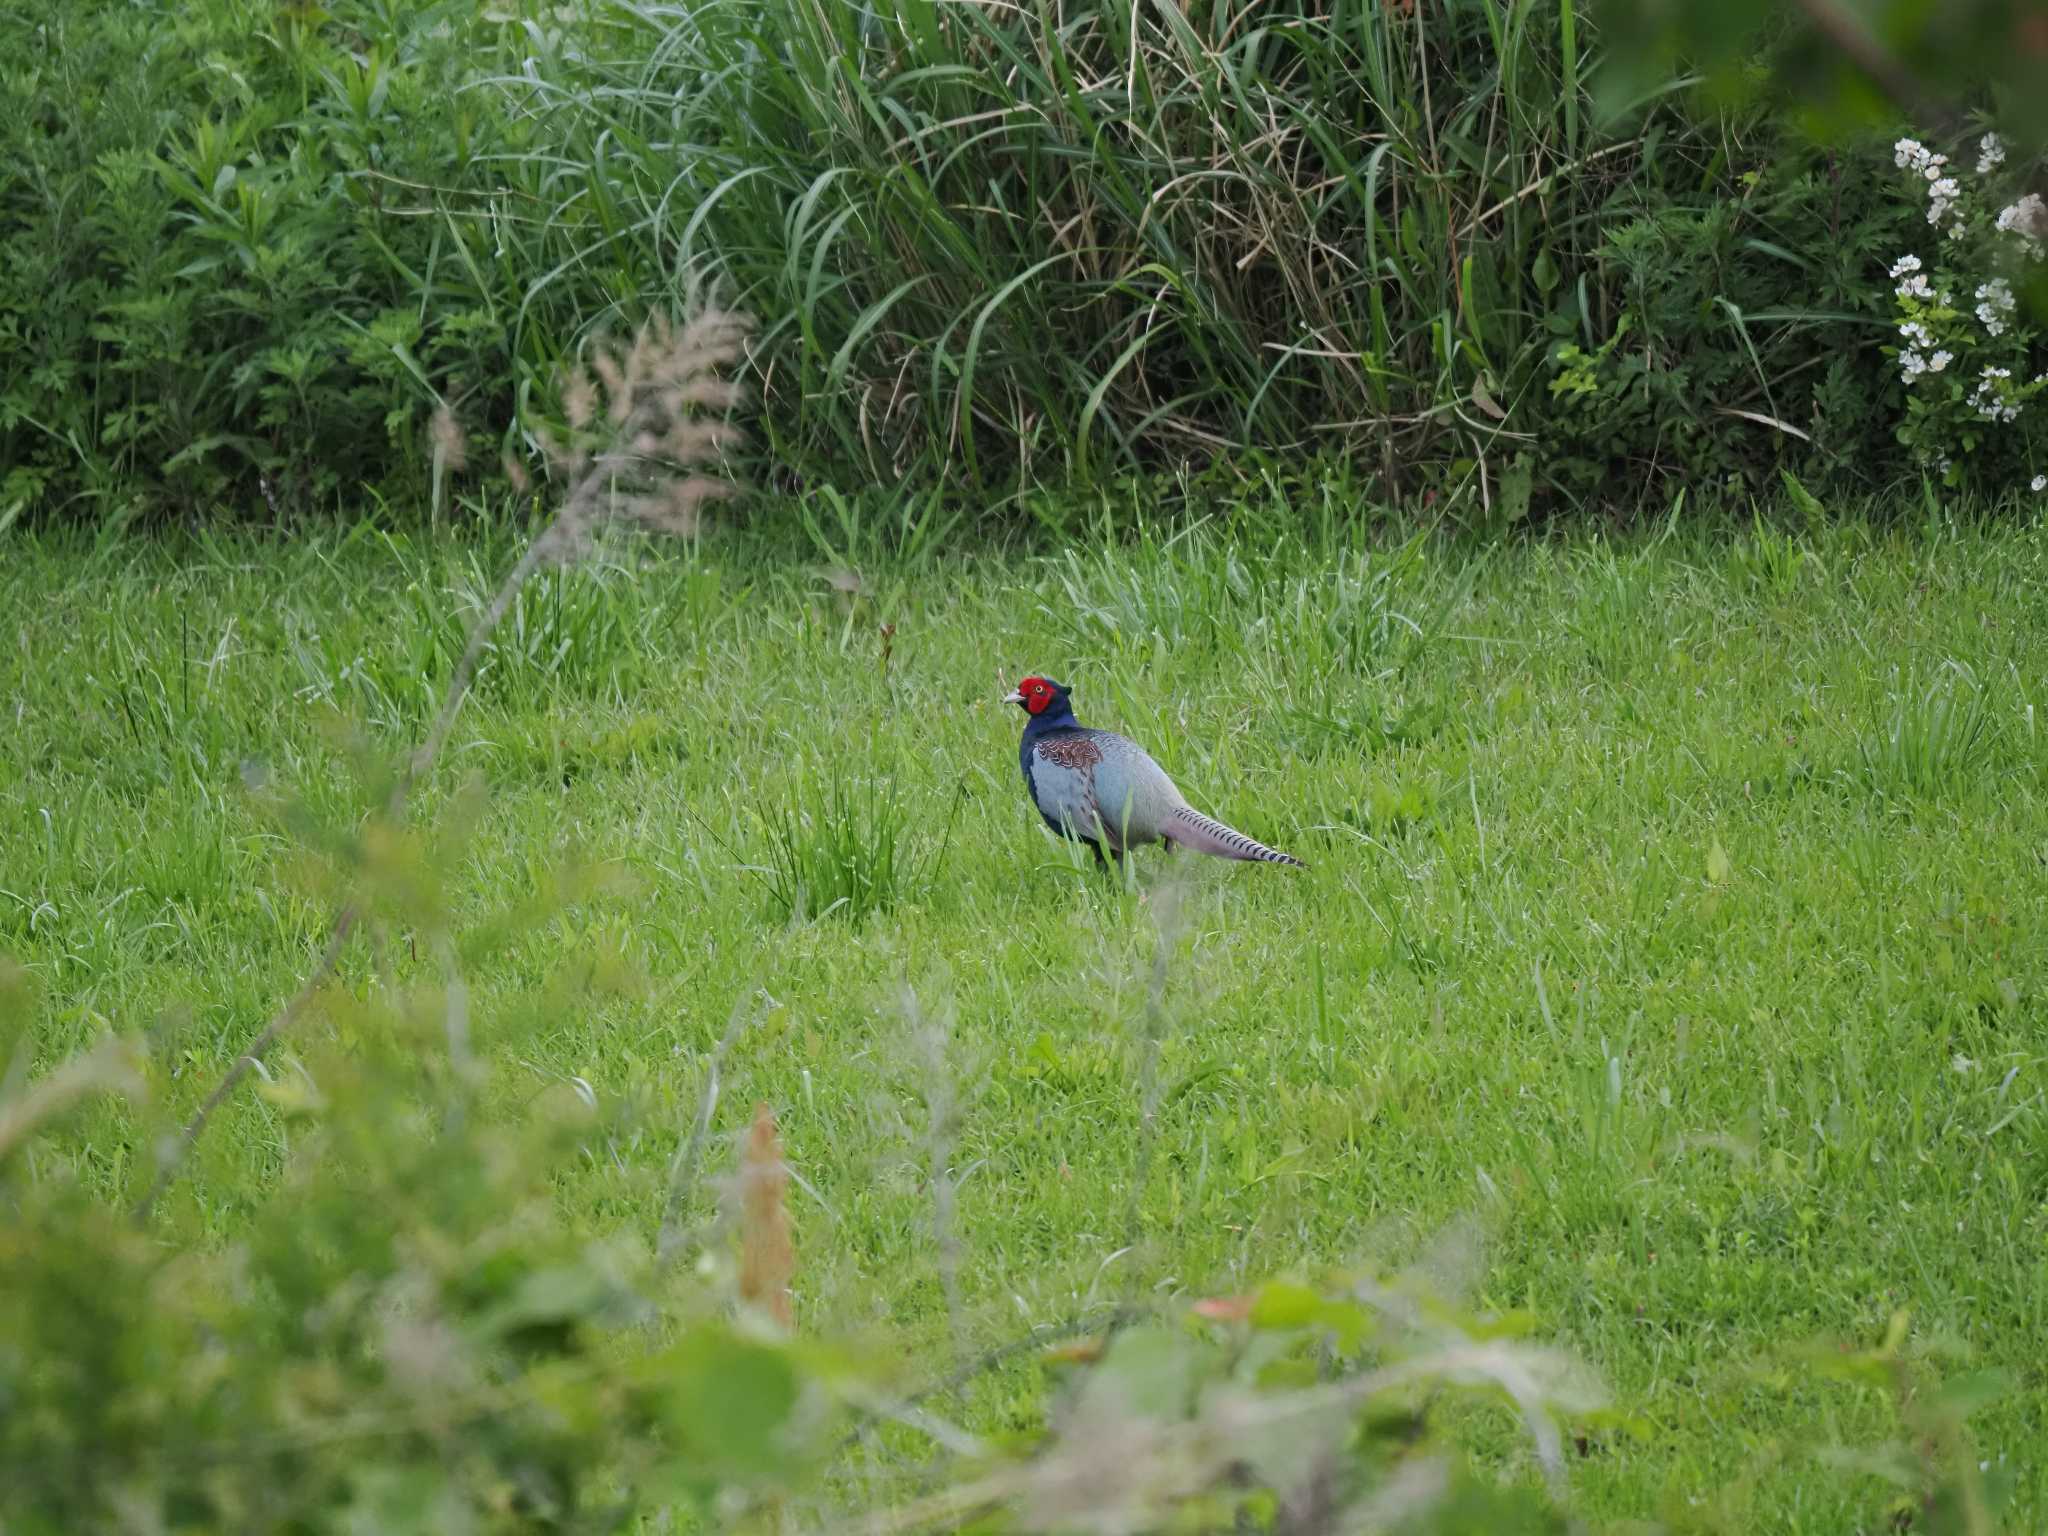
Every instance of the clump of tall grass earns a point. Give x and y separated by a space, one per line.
1244 226
1938 733
845 849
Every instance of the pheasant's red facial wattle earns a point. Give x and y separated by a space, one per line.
1035 694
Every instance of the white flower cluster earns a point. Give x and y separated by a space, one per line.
1943 190
1912 364
1929 315
1912 155
1942 197
1992 400
2027 218
1995 305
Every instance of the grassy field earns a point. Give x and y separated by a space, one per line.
1675 923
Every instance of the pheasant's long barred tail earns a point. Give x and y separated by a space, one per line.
1212 836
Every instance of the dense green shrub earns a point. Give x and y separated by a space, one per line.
254 245
210 284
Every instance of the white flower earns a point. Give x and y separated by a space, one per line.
1992 398
1990 154
1909 154
2027 218
1915 287
1963 1064
2040 484
1942 197
1939 361
1917 333
1996 305
2021 215
1904 265
1911 366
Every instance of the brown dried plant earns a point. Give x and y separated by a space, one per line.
643 445
767 1257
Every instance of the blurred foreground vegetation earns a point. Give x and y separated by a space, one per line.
730 1110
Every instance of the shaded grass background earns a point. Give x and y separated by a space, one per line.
280 238
1657 919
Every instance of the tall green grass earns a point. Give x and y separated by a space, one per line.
1023 241
997 245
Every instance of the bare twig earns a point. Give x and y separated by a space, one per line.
767 1255
172 1158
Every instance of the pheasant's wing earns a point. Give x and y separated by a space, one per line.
1063 766
1134 798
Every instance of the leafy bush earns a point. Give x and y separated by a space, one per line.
254 247
1736 325
211 285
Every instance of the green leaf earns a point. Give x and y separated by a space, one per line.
728 1402
1965 1395
1285 1304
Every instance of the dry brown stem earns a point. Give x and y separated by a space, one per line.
767 1256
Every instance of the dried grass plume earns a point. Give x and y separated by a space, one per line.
648 434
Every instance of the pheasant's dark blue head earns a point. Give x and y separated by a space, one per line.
1038 694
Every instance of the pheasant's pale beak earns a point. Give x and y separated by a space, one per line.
1014 696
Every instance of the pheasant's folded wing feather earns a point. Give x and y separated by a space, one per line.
1132 792
1063 768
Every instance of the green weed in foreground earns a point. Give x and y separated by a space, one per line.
1660 928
